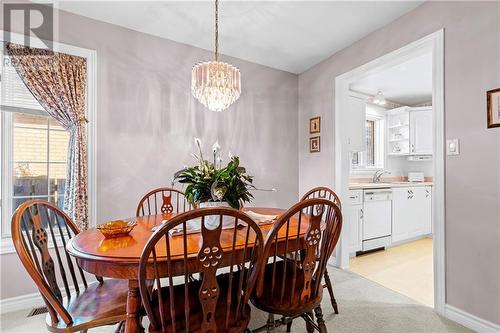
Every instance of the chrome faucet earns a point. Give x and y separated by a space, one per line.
378 174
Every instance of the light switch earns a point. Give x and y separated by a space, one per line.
452 147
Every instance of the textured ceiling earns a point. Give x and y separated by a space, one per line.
288 35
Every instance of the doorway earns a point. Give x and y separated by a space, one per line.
380 134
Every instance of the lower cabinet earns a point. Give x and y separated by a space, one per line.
355 221
411 212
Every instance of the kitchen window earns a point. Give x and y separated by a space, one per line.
372 158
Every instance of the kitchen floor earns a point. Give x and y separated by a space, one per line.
406 268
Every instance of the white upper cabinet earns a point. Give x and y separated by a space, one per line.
356 126
410 131
421 131
398 131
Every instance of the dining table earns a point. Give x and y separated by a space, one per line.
119 257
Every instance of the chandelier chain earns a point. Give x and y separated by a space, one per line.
216 30
216 84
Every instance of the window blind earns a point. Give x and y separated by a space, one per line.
15 96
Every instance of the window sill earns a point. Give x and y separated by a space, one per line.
7 246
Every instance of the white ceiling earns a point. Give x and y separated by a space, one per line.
292 36
408 83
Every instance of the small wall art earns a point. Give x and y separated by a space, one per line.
314 125
493 108
314 144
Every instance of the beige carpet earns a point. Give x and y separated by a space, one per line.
406 268
365 307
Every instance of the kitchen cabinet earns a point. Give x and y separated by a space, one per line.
410 131
398 131
424 215
411 212
355 220
356 124
421 141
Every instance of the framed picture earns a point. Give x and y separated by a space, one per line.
314 125
493 107
314 144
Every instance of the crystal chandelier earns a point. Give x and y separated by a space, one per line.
216 84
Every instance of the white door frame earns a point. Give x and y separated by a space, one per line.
434 42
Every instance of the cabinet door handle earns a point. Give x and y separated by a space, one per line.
362 214
352 197
412 148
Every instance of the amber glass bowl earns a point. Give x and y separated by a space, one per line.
118 228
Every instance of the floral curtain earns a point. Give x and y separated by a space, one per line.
58 82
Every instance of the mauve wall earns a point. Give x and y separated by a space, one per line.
472 66
147 118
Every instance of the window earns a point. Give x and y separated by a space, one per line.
370 143
39 147
34 149
33 146
373 156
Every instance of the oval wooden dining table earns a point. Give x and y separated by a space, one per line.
119 257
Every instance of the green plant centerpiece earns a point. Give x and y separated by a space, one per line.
209 181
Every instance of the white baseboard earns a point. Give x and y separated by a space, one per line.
468 320
27 301
23 302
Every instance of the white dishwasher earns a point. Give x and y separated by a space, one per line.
377 218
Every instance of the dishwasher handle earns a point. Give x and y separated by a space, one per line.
377 196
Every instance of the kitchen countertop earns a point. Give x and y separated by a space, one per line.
362 186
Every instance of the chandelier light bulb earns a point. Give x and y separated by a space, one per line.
379 99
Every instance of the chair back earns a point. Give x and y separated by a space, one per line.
323 192
294 266
236 249
163 200
35 224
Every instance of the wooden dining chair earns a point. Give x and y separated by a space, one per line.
326 193
163 200
290 281
73 303
215 303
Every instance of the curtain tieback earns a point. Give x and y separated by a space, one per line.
82 119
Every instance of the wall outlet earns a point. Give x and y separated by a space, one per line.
452 147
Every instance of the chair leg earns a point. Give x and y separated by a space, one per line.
270 323
330 291
319 320
309 326
289 326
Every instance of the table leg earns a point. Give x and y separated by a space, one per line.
133 325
